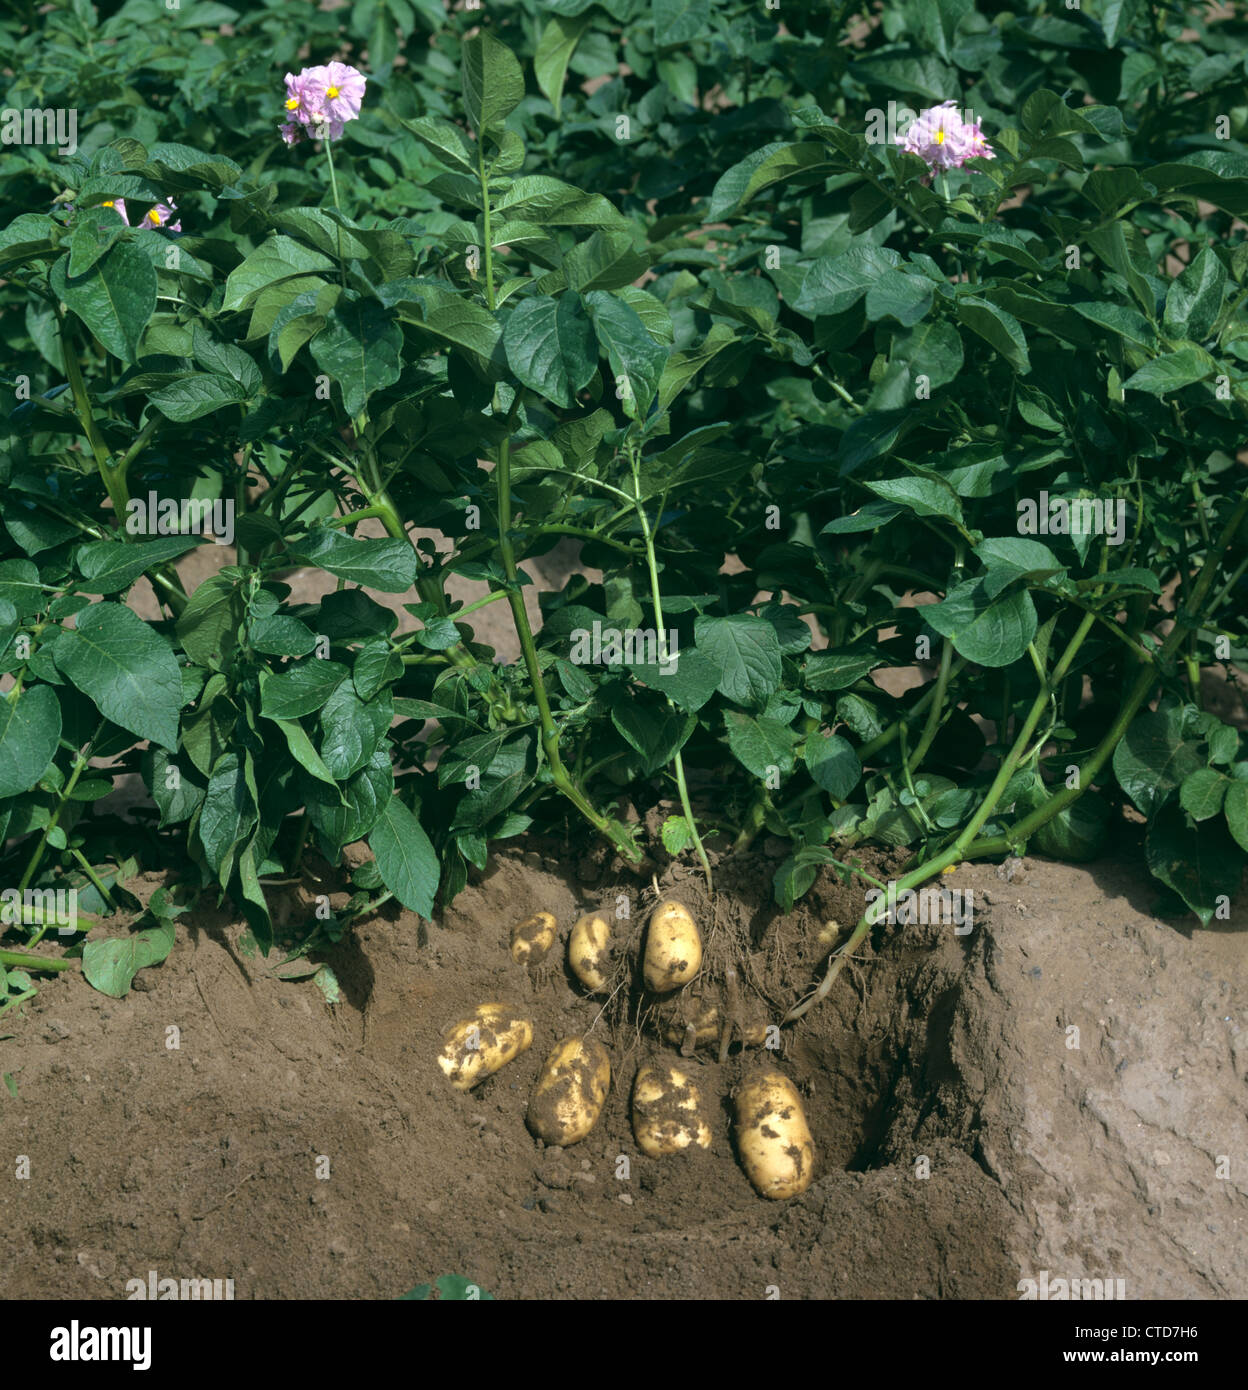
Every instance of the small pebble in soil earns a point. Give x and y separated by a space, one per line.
549 1205
626 1198
529 1203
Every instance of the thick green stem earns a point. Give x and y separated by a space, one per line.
966 846
550 734
656 599
80 766
24 960
113 479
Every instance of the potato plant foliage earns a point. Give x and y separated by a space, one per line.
652 275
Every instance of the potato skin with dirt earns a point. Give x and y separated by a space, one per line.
533 938
673 948
570 1092
668 1116
772 1135
502 1034
589 951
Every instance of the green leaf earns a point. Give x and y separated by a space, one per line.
838 670
1171 372
389 565
690 685
108 566
209 624
746 652
1119 319
679 22
279 258
127 668
903 295
30 729
656 734
1154 757
923 496
551 202
1219 177
299 690
115 299
554 53
227 816
1015 557
1203 793
493 83
352 729
637 361
1117 19
762 746
1077 833
1200 865
1236 807
197 394
932 349
280 634
604 261
1194 300
836 283
110 966
364 796
95 230
1000 330
770 165
377 665
359 348
991 633
303 752
551 347
409 867
20 586
444 138
833 764
676 834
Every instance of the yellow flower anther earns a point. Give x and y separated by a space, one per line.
154 217
331 91
108 203
940 136
293 104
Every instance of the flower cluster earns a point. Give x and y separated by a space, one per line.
156 217
320 101
940 136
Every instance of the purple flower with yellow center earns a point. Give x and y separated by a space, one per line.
159 217
321 100
943 139
340 89
299 103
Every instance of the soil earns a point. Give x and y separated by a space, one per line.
221 1123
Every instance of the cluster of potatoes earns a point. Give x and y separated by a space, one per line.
668 1115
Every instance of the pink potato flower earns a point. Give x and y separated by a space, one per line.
321 100
943 139
156 217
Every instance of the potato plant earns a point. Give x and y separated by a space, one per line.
717 304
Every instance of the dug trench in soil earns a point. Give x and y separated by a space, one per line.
304 1150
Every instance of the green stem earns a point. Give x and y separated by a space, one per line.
113 481
915 760
80 766
333 186
550 734
24 960
665 657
